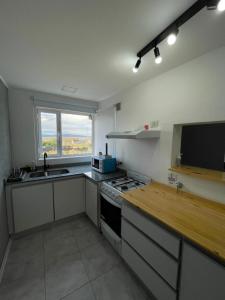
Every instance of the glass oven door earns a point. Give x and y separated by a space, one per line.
111 213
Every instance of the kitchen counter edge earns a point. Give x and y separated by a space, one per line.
74 171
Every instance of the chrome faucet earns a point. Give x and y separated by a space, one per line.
179 186
45 165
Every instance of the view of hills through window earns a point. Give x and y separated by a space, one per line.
65 134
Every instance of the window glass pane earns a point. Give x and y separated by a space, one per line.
48 133
76 134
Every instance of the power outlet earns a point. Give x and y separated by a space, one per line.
172 179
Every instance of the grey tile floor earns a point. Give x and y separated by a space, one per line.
69 261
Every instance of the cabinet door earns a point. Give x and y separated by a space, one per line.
92 201
32 206
202 278
69 197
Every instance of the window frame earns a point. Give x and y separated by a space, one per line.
58 113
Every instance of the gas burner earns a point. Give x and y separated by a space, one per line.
115 187
127 184
119 181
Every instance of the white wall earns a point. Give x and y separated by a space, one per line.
5 165
23 122
193 92
104 122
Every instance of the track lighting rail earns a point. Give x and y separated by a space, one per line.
188 14
173 28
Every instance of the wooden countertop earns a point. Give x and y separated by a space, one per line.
198 219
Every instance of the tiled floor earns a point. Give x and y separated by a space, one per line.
70 261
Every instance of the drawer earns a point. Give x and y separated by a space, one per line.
156 232
162 262
147 275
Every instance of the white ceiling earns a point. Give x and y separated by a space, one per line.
91 45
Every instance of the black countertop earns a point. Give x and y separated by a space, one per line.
79 170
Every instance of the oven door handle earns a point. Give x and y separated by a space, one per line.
108 199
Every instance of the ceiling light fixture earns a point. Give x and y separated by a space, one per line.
137 65
158 58
170 33
69 89
215 4
172 38
221 5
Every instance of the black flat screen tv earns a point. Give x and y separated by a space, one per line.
203 146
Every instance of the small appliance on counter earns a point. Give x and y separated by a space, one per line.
104 163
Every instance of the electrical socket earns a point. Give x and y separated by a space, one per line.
154 124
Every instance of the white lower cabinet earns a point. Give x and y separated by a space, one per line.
155 256
32 206
37 204
158 234
91 192
151 251
202 278
147 275
69 197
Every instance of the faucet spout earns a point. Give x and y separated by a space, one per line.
45 165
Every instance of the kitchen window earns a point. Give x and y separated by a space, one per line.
64 134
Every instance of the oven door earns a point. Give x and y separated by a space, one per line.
111 213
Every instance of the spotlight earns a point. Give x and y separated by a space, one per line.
171 40
221 5
137 65
216 4
158 58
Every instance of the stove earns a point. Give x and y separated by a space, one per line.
125 184
113 188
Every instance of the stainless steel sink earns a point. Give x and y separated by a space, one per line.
57 172
37 174
48 173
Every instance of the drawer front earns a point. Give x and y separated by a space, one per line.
152 281
165 265
156 232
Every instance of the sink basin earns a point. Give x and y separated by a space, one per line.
48 173
57 172
37 174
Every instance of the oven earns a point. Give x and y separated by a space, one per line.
111 213
111 220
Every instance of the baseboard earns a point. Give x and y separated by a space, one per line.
5 259
26 232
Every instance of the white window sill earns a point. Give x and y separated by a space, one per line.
64 159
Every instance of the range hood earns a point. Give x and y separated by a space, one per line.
136 134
